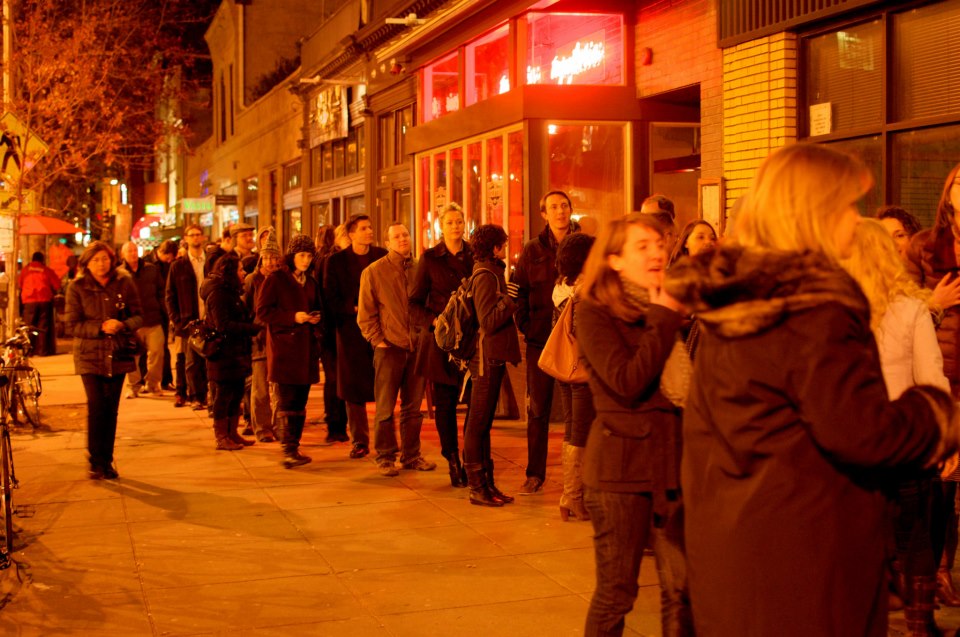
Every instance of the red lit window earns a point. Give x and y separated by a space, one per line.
574 48
487 65
441 87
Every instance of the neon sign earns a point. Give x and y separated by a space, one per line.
582 58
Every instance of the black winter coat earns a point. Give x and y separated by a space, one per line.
88 305
635 441
251 287
227 314
150 286
181 298
341 286
438 276
536 274
495 310
293 349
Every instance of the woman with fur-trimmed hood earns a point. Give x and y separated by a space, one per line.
789 436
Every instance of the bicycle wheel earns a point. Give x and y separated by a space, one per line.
6 489
26 394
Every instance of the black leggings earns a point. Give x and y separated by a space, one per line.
103 402
227 398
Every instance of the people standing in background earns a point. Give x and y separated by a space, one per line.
38 284
663 210
163 257
261 411
183 306
933 257
900 224
341 287
230 365
146 276
289 304
334 407
215 250
383 315
532 286
439 274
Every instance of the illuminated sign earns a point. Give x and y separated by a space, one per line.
154 209
581 58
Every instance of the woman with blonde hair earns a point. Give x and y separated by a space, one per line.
789 434
909 355
631 464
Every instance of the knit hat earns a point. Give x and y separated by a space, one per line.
269 244
301 243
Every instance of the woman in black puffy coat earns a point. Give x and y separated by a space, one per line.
102 308
222 293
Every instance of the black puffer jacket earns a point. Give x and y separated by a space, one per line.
88 305
536 274
150 286
227 314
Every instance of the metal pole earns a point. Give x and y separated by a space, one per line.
11 259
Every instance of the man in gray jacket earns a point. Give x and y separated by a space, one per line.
384 320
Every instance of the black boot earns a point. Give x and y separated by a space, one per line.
457 477
918 611
479 493
292 431
497 493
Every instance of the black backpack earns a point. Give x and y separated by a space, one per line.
457 327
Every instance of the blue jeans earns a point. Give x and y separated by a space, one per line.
578 412
393 368
622 525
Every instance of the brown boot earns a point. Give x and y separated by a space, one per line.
232 431
918 611
571 501
224 443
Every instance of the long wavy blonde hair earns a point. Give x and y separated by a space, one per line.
796 197
877 266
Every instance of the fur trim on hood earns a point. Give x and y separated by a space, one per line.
736 291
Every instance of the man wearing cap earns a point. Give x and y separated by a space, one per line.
261 413
383 315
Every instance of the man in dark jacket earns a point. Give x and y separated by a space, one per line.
532 285
384 318
162 257
184 305
341 285
146 277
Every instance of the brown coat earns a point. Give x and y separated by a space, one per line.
634 444
929 259
293 349
383 311
789 439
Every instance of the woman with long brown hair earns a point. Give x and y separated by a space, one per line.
631 467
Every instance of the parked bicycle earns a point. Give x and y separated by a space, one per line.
25 387
8 475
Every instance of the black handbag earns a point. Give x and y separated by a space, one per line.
126 343
203 339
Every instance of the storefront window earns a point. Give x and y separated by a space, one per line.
574 48
456 175
587 161
925 61
440 193
869 151
921 161
320 213
441 87
844 79
338 159
352 151
493 188
474 205
356 205
291 177
430 226
514 181
327 161
487 65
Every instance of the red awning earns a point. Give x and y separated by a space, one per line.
38 224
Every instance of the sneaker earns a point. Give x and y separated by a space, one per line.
531 486
295 459
420 464
154 390
133 393
266 438
388 469
180 401
359 451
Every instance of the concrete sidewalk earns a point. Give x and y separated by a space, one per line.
194 541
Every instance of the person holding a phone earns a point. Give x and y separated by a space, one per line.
289 304
384 318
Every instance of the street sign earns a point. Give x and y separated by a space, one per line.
20 148
8 202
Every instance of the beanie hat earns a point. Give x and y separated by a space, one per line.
270 242
301 243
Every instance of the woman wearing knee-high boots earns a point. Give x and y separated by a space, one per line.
497 345
439 274
289 305
222 292
578 401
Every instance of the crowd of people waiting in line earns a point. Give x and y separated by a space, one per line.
816 356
